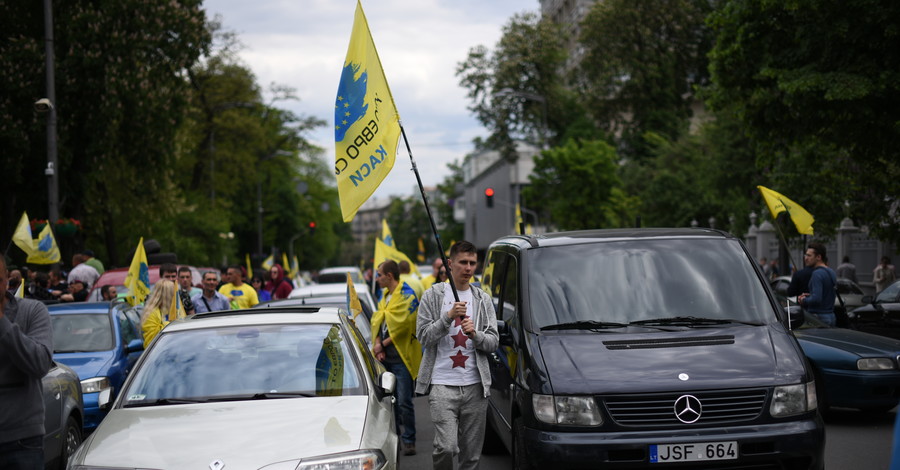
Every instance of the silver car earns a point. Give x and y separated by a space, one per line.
293 388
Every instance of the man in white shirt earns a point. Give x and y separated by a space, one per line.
457 337
82 271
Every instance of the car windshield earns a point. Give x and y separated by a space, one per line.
82 332
889 294
703 281
246 363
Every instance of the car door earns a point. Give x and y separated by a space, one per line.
503 288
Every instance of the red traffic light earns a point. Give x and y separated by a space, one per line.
312 225
489 192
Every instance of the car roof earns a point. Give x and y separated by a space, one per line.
606 235
339 269
79 307
319 290
251 317
116 277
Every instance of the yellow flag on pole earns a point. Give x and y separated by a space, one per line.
420 255
23 237
45 250
778 203
353 304
384 252
386 236
366 122
249 264
266 264
288 273
138 279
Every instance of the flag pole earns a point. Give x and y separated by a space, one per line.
437 236
787 247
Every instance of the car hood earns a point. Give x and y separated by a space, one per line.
87 365
245 434
856 342
747 356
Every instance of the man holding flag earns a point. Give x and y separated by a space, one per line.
395 345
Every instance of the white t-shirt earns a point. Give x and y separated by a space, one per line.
455 364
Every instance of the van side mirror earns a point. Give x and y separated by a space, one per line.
388 382
795 316
506 338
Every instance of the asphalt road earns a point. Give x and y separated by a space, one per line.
854 441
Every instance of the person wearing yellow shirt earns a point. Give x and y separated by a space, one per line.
240 294
158 310
430 279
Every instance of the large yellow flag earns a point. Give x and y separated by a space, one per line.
138 279
778 203
384 252
23 237
366 122
45 250
353 304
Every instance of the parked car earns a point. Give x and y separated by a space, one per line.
852 369
291 388
338 275
100 341
628 348
880 314
63 415
333 290
116 277
849 291
338 301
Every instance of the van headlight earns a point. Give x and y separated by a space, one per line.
790 400
569 410
367 459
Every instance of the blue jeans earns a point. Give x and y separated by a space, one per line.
404 413
24 454
826 318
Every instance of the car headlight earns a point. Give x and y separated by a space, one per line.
368 459
875 363
569 410
94 384
793 399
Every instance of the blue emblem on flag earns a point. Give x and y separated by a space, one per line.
45 244
350 105
144 275
388 240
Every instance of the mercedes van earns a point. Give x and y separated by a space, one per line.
645 348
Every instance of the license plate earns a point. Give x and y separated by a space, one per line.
694 452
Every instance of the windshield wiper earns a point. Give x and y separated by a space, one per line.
585 325
262 396
167 401
690 321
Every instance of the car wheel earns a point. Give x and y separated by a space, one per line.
71 442
519 457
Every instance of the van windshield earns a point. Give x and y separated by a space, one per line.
645 280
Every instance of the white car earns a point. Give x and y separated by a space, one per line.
338 275
293 388
333 290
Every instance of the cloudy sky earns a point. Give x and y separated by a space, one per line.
303 43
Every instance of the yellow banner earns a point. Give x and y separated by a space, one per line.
366 122
138 279
778 203
23 237
45 250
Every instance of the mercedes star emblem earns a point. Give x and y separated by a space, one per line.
216 465
688 409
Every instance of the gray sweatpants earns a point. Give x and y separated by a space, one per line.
459 414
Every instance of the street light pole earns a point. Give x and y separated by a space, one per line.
52 167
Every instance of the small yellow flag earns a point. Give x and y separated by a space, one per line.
23 237
778 203
384 252
138 278
45 249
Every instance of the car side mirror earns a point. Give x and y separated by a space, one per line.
795 316
134 345
506 338
867 299
388 382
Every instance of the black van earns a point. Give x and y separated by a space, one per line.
645 348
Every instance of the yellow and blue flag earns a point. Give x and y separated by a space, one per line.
23 237
778 203
384 252
366 122
266 264
386 236
353 304
138 279
330 365
45 250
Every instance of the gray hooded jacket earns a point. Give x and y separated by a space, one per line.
432 325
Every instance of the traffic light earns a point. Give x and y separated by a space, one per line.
312 228
489 197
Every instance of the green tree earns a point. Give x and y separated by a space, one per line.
443 206
642 63
408 222
817 87
578 186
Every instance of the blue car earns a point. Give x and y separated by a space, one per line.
100 341
852 369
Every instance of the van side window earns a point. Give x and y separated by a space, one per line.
510 293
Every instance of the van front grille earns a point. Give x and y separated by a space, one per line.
658 409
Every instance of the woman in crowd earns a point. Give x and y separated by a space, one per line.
160 308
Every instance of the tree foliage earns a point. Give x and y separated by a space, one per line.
817 86
577 185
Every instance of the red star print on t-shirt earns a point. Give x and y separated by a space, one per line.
459 339
458 320
459 360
